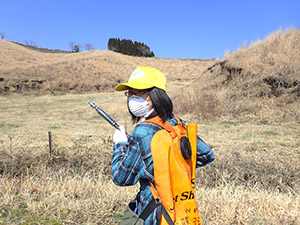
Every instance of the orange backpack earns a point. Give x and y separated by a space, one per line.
174 151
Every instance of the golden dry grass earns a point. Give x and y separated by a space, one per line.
260 82
246 105
254 180
80 72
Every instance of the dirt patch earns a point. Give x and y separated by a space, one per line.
279 86
42 87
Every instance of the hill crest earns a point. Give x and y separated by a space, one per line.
94 70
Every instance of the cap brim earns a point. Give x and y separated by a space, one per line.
126 86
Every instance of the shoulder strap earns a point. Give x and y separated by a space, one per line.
149 209
153 204
166 125
162 208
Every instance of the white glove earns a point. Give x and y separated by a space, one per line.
120 135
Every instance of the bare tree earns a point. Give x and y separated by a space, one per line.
2 35
72 45
31 43
88 46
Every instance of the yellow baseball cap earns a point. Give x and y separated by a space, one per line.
144 77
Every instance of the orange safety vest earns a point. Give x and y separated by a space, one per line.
173 174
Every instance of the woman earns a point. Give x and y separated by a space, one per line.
132 159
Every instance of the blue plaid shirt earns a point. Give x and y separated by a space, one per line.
132 162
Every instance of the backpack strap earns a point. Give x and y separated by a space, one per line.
152 205
166 125
149 209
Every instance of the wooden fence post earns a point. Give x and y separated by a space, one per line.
50 143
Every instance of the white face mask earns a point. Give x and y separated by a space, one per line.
138 106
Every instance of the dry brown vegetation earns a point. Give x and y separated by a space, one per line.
251 123
254 179
29 71
260 82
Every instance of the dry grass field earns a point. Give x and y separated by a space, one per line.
254 180
247 109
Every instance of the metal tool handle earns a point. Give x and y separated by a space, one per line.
105 115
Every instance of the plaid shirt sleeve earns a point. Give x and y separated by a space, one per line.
126 163
133 160
204 153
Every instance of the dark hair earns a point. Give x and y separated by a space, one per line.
162 104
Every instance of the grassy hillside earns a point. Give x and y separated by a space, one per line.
25 70
260 82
